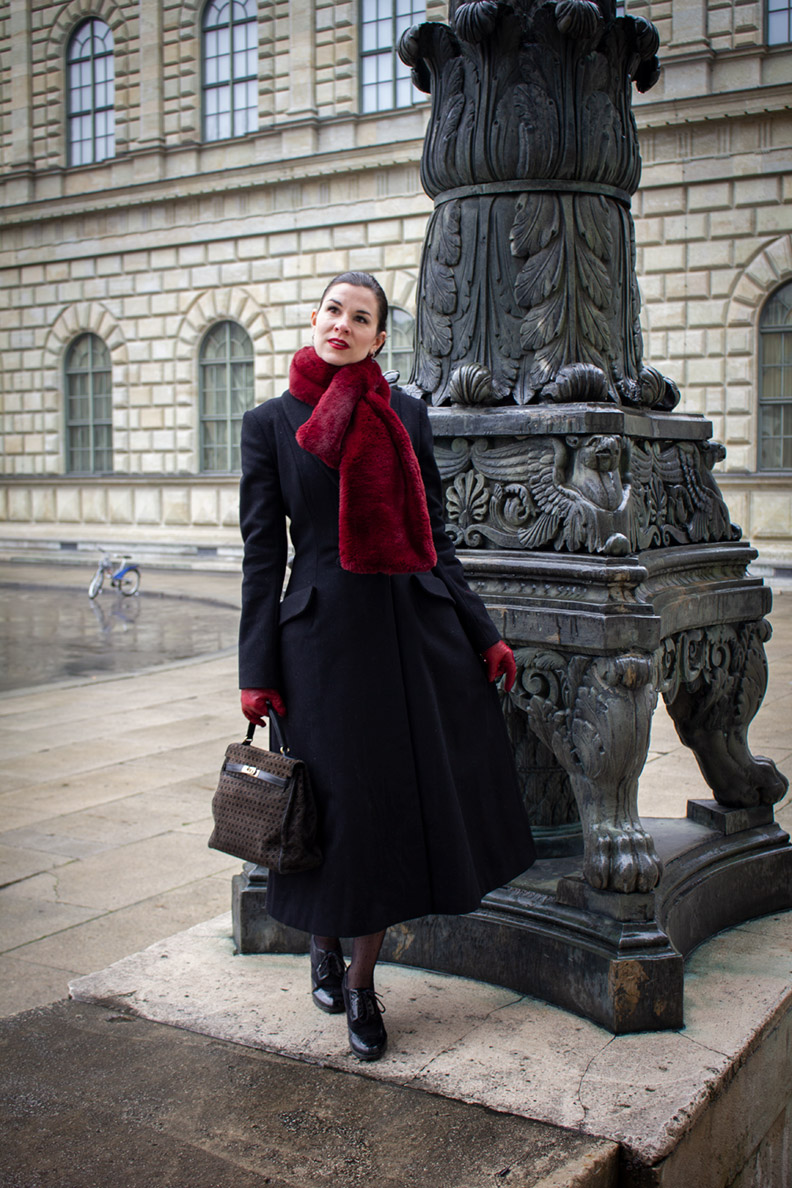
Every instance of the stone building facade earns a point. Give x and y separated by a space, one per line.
714 228
160 272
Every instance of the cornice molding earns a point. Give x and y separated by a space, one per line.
185 186
740 104
164 182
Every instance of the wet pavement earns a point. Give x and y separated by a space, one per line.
51 631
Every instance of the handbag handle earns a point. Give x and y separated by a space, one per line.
276 729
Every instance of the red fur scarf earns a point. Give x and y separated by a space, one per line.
383 523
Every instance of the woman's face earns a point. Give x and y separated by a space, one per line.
345 325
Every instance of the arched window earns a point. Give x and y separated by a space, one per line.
230 68
226 391
385 80
779 22
397 354
775 381
89 407
90 94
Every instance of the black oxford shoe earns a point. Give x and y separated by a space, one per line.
327 970
368 1038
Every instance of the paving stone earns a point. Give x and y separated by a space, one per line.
26 984
106 938
27 915
56 843
17 863
128 874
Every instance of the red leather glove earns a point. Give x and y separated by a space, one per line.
499 661
255 704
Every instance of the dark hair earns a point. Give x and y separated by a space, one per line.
365 281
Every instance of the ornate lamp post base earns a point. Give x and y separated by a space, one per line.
587 516
661 603
615 959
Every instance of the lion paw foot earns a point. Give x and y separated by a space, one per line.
772 784
621 858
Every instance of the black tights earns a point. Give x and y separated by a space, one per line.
365 951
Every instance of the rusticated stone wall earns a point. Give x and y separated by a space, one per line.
172 233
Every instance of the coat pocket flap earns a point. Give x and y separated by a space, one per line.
294 604
433 585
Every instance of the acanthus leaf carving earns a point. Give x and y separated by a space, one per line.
592 222
439 294
533 92
448 244
565 284
537 114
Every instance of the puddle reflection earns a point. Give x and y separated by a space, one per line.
51 635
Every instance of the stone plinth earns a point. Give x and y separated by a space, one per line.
704 1105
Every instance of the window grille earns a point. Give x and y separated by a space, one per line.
775 382
90 94
779 22
397 354
385 80
226 392
230 68
89 407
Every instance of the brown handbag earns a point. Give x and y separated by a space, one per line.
264 810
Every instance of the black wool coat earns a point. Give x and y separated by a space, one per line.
386 697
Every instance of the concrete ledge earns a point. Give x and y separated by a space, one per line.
95 1098
690 1107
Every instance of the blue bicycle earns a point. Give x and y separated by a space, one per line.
123 573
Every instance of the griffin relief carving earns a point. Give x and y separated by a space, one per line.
596 493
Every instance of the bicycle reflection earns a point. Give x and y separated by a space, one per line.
49 634
123 611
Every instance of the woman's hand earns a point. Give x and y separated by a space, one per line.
499 661
256 704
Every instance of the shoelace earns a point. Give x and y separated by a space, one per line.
369 1000
331 964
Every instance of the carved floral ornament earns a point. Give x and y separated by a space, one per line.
527 289
596 493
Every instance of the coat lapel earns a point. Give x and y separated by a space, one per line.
297 413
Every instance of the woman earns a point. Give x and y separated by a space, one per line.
380 654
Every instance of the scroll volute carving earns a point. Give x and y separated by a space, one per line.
531 156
